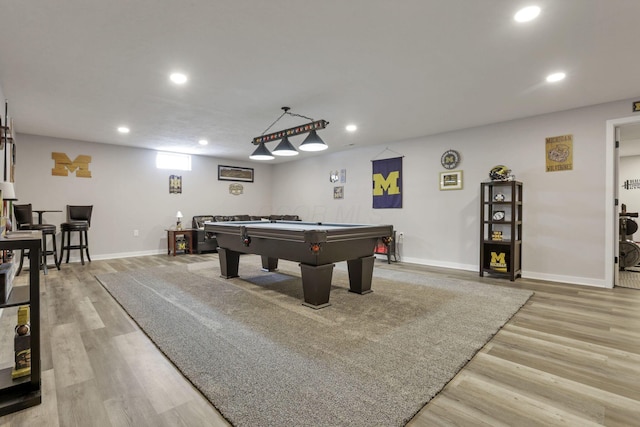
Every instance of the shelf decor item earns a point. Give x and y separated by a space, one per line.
500 173
179 220
22 344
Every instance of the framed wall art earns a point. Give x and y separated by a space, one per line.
175 184
338 192
235 173
451 180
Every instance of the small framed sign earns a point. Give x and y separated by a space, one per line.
451 180
234 173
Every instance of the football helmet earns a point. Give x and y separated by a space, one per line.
500 173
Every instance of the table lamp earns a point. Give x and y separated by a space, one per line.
179 222
8 193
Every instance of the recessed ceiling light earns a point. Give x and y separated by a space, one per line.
527 14
203 142
123 129
556 77
178 78
351 128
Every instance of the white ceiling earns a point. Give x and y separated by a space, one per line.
398 69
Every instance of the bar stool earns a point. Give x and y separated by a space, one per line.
78 220
24 221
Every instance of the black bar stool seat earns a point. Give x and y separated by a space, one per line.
82 228
24 221
78 221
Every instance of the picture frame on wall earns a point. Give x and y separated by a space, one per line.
235 173
451 180
338 192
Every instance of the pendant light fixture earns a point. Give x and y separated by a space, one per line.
285 148
261 153
312 143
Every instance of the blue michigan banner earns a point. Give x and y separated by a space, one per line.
387 183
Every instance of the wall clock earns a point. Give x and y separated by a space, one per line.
450 159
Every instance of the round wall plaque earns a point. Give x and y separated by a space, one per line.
450 159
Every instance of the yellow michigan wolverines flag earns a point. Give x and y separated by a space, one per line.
387 183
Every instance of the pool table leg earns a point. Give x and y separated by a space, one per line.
360 274
229 261
269 264
316 284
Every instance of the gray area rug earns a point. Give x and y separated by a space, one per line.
263 359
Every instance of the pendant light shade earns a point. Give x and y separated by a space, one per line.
285 148
261 153
313 143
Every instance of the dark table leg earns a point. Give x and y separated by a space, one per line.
269 264
316 284
229 261
360 274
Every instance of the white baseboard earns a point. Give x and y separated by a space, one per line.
572 280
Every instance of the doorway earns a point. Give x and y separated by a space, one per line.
624 163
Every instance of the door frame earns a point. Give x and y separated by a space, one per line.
611 233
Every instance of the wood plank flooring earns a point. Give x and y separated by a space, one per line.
569 357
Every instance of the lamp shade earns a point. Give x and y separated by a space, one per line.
8 192
261 153
179 214
285 148
313 143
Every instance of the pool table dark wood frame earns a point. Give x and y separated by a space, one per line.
316 250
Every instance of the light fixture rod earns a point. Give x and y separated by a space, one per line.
319 124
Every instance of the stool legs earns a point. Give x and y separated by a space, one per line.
45 253
83 245
53 251
86 244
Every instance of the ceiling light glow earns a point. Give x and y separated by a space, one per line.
124 129
527 14
178 78
203 142
351 128
556 77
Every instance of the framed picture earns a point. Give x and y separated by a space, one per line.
451 180
175 184
234 173
338 192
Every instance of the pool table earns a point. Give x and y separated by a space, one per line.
316 246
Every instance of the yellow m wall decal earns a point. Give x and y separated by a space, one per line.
64 165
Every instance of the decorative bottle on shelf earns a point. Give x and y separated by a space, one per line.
22 344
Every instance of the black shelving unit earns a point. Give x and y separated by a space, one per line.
501 229
24 392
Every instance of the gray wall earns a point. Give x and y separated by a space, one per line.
129 193
564 212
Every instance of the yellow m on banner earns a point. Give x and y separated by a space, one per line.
64 165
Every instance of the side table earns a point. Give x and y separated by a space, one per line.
172 240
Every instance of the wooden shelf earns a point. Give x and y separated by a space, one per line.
501 257
24 392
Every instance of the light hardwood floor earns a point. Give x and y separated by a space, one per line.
570 356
